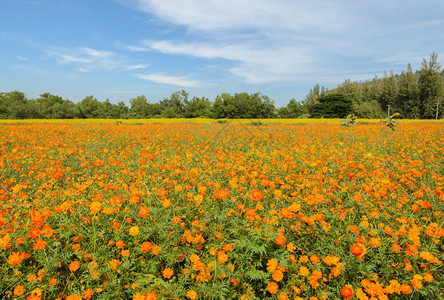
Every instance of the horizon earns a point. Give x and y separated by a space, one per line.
118 50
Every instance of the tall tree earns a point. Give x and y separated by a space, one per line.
54 107
407 103
174 106
313 95
294 109
197 107
89 108
429 86
15 105
139 107
389 90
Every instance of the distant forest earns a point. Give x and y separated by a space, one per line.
414 95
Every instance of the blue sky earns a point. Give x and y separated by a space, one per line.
120 49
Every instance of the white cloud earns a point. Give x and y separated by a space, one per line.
135 67
269 41
87 59
211 15
22 58
171 80
137 48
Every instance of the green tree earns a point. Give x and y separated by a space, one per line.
331 106
367 109
89 108
55 107
123 110
389 90
294 109
198 107
407 100
15 105
175 104
429 86
139 107
109 110
312 96
154 110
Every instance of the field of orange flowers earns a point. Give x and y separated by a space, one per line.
221 211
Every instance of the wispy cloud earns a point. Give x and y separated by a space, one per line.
137 48
283 40
171 80
135 67
22 58
267 41
87 59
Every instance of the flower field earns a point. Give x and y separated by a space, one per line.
221 211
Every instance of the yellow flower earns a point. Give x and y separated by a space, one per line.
134 230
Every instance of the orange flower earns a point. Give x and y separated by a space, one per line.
358 249
416 282
146 246
87 294
280 240
177 220
396 247
272 264
304 271
315 259
120 244
428 277
272 287
406 289
167 273
227 247
19 290
335 271
144 212
277 275
39 245
347 292
16 258
250 212
95 207
303 259
375 242
114 263
52 281
156 250
191 295
331 260
4 242
125 253
256 195
222 257
116 225
74 266
74 297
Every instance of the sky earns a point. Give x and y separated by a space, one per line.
120 49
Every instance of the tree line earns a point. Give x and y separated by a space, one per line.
411 94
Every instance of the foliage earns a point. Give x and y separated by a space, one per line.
226 211
412 95
349 121
390 122
331 106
